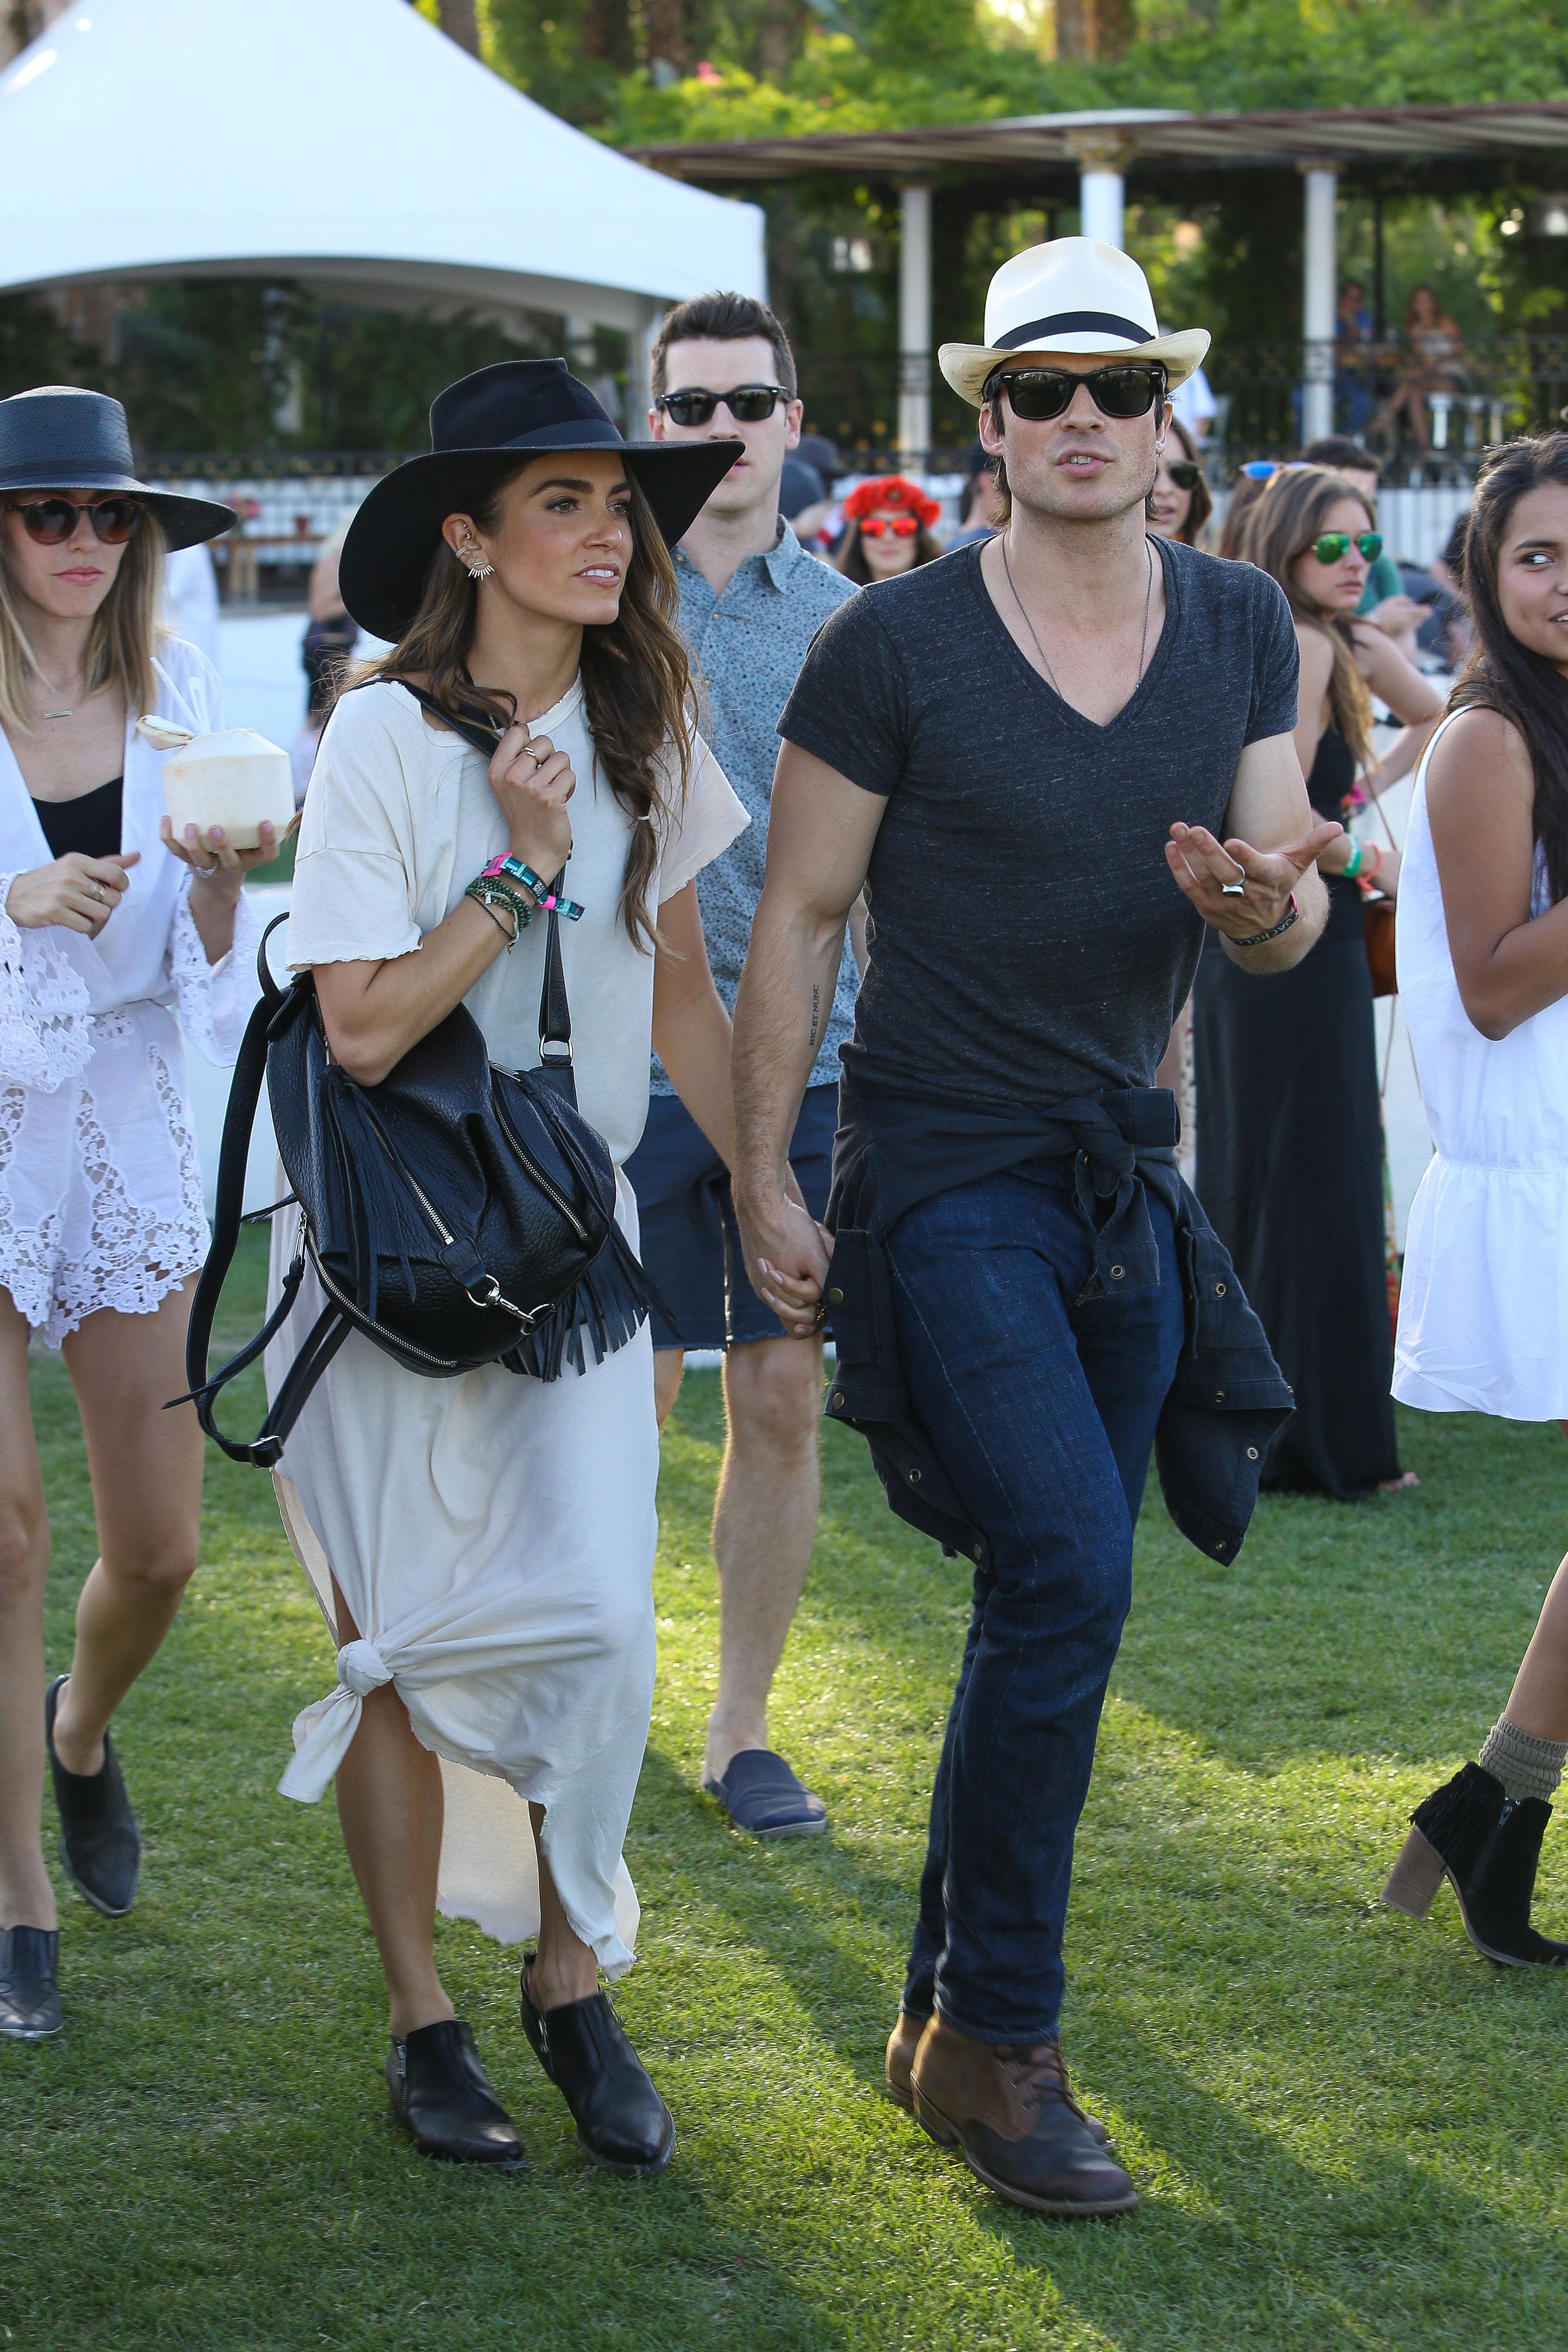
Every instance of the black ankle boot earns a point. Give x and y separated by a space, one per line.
29 1987
1448 1830
622 2122
1495 1898
100 1844
441 2096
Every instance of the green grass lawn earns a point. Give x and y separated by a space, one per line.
1348 2131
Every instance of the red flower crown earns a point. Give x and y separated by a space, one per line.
890 490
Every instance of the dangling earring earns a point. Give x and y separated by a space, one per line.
481 570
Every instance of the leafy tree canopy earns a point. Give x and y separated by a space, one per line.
739 69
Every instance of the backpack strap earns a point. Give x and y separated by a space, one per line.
244 1093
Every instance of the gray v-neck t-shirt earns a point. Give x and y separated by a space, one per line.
1027 943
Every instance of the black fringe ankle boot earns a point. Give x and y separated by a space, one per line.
1487 1844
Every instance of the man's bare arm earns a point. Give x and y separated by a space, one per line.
1271 840
820 831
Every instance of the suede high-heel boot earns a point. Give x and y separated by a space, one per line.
1488 1845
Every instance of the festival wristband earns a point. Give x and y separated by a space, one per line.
1351 865
551 902
1257 938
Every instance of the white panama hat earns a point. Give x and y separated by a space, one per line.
1074 294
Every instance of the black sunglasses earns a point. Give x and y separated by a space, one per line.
1183 473
51 522
1039 393
748 404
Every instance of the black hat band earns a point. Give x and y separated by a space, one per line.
1076 322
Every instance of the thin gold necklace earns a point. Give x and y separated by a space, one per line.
1045 665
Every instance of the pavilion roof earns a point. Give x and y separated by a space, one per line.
1347 135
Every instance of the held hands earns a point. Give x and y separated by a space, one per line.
1201 865
217 866
76 892
787 1256
533 781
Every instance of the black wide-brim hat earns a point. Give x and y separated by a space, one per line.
60 437
481 428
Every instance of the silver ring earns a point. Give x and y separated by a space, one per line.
1233 889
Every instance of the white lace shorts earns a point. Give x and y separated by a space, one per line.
101 1188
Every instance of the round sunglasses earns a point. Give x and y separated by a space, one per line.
51 522
748 404
1336 544
902 526
1037 394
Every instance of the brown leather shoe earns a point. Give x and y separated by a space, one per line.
1011 2112
903 2043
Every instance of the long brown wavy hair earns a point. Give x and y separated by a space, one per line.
125 632
1502 675
637 685
1285 521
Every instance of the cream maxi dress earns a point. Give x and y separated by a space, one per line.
492 1535
1483 1304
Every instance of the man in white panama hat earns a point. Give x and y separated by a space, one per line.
1051 761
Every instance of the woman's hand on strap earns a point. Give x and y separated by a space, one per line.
78 893
533 782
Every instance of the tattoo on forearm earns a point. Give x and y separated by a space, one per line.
815 1013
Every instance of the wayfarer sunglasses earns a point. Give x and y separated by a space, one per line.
748 404
51 522
1335 544
902 526
1039 393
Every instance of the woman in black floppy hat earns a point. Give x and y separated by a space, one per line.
483 1546
106 925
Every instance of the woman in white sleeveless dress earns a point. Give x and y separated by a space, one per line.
483 1546
1483 977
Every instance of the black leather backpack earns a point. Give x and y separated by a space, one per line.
458 1213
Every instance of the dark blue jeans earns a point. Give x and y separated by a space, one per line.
1040 1394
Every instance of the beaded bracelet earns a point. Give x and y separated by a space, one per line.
509 937
551 902
490 891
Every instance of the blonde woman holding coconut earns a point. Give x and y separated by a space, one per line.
107 926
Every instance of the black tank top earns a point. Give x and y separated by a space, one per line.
1328 788
88 825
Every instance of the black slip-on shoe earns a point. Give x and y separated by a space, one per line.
622 2122
100 1844
29 1983
442 2096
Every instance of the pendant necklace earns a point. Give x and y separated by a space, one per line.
1035 634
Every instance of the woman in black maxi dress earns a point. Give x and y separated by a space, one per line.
1289 1148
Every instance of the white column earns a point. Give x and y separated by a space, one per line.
1318 285
914 330
1102 158
640 375
1101 206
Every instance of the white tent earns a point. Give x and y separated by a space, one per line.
345 143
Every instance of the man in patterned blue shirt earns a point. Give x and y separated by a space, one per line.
752 600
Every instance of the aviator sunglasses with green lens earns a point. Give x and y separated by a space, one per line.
1336 544
1039 393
